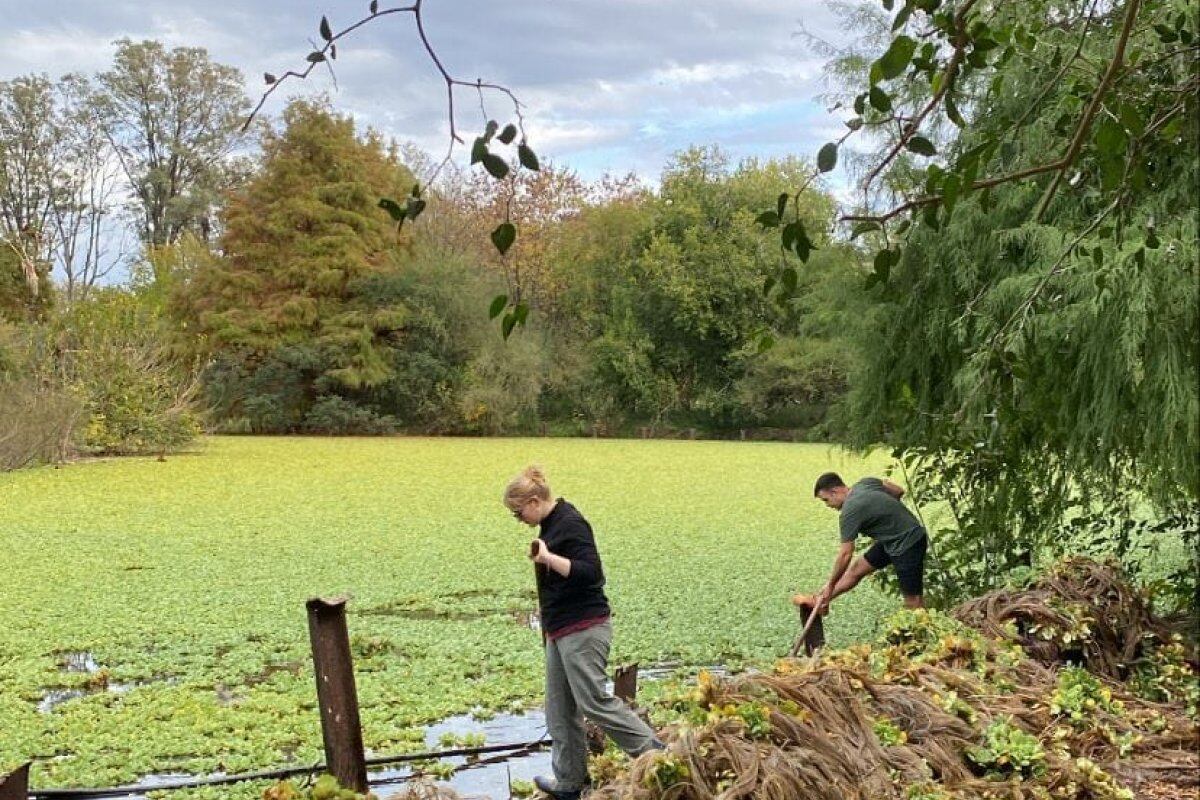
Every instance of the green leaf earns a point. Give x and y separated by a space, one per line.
921 146
883 263
768 219
788 280
490 130
503 236
326 32
507 324
855 123
1165 33
1110 137
508 134
950 192
781 204
496 166
416 190
768 285
1132 119
952 112
881 101
1152 240
765 343
374 7
860 104
479 150
902 18
414 207
268 78
864 227
896 59
521 313
1098 256
788 237
527 157
498 304
827 157
393 208
315 57
803 244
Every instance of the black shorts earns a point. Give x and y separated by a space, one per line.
910 565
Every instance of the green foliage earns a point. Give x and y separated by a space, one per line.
324 787
1079 694
1033 357
1008 750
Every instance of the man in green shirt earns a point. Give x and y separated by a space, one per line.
872 507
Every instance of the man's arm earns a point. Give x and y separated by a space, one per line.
840 565
894 489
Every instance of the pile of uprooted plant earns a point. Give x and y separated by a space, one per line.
1070 688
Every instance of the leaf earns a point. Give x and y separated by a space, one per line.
315 57
414 207
326 31
416 190
1110 137
496 166
768 219
507 324
921 146
788 279
855 123
860 104
521 313
803 244
765 343
333 52
1098 256
508 134
479 150
374 7
503 236
1132 119
952 112
768 285
1152 240
883 263
788 236
268 78
393 208
490 130
902 18
781 204
528 159
896 59
864 227
498 304
881 101
827 157
950 192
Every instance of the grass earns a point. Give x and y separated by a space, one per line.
186 581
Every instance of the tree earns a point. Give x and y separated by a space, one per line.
287 314
174 117
1034 355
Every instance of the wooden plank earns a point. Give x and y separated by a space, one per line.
625 682
15 785
336 693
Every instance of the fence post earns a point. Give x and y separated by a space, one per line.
336 695
15 785
625 683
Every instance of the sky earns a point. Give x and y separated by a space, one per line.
607 85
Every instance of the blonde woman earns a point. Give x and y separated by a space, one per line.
575 620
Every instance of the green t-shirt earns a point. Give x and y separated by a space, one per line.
869 509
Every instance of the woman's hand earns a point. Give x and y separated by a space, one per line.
538 551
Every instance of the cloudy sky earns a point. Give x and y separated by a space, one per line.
612 85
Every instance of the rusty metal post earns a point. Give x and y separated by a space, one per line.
340 726
15 785
625 683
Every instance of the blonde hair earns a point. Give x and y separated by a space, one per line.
530 484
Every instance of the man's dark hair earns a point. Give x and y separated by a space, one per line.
830 480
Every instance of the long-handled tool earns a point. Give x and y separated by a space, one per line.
533 549
811 628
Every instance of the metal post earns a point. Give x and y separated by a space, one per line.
625 683
15 785
340 726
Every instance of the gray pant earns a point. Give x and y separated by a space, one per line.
576 671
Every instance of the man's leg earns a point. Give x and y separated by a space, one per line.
910 572
585 660
564 722
861 567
